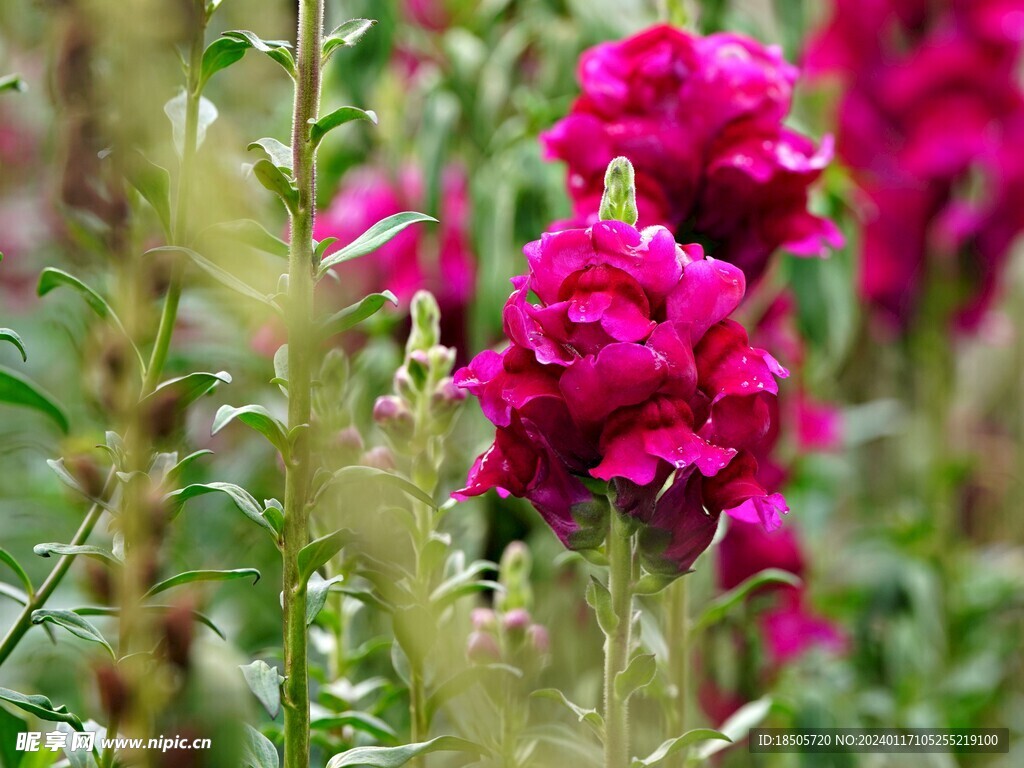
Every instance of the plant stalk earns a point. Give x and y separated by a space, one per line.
619 548
300 353
677 627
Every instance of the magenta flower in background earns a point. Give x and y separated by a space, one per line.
700 118
623 367
931 122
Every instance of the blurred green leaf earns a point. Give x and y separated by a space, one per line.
6 334
351 316
153 182
265 683
671 746
723 605
373 238
102 610
247 232
74 624
176 110
192 576
13 593
345 35
258 418
241 497
9 560
16 389
463 680
12 83
362 474
359 721
218 274
338 117
736 727
393 757
589 716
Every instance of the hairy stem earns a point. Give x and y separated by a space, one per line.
677 628
300 353
619 549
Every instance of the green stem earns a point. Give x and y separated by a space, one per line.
619 549
677 629
300 352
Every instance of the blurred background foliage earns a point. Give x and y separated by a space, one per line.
911 526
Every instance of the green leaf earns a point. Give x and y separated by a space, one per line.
247 232
9 560
317 589
589 716
277 153
187 389
74 624
463 680
153 182
218 274
6 334
274 179
653 583
12 83
373 238
600 599
176 110
10 727
319 551
338 117
723 605
241 497
16 389
274 512
367 474
345 35
41 707
189 577
174 473
671 746
259 751
265 683
73 550
256 417
352 315
13 593
275 49
392 757
638 674
212 6
359 721
737 726
220 54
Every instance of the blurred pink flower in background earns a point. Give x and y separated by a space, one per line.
701 121
931 122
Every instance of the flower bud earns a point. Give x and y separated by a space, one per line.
441 359
178 628
346 445
482 648
517 620
84 469
379 457
404 385
426 322
484 619
394 417
619 199
538 638
115 694
514 575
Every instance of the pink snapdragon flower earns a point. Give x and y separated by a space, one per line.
623 367
701 120
931 123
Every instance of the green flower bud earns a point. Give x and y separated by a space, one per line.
619 199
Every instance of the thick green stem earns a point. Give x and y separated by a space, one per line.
619 549
677 629
300 352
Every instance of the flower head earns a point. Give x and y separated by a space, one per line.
701 120
623 367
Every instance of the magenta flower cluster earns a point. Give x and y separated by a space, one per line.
700 118
624 368
931 122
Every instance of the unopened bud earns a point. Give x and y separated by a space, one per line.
346 445
178 628
394 417
84 469
426 322
517 620
618 202
404 384
379 457
538 638
114 692
484 619
482 648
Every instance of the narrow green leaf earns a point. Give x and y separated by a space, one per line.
319 551
220 54
338 117
275 180
463 680
600 599
736 727
589 716
247 232
189 577
273 150
653 583
260 751
671 746
6 334
13 593
278 50
189 388
393 757
321 247
241 497
218 274
345 35
9 560
174 473
364 474
273 510
352 315
317 589
265 683
373 238
359 721
16 389
74 624
153 182
724 604
12 83
73 550
256 417
638 674
41 707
